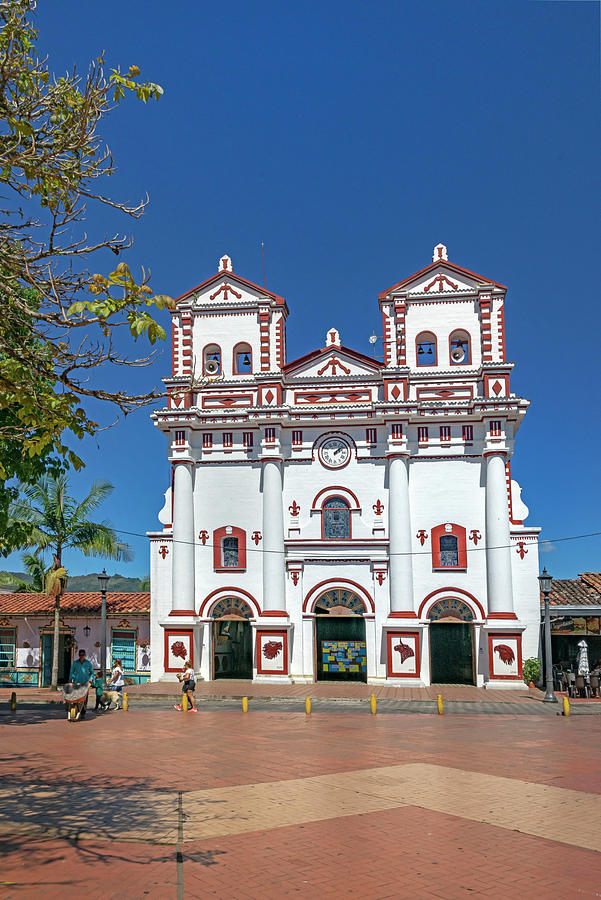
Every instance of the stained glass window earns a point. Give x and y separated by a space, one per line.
229 552
449 550
336 519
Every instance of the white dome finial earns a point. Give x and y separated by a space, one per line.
225 264
332 338
440 252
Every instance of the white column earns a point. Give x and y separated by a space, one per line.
274 568
498 558
182 579
399 532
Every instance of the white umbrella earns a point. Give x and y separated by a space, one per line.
583 668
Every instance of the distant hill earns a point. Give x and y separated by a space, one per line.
119 584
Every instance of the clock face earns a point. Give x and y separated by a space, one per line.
334 453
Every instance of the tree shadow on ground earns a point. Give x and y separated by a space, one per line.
38 714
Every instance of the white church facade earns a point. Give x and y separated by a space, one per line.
338 516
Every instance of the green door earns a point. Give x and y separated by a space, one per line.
451 653
341 649
64 659
233 655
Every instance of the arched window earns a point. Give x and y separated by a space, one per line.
448 547
425 349
243 359
460 349
449 551
211 360
336 520
229 553
229 549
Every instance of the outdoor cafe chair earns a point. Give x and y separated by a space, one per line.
560 680
594 682
582 686
571 678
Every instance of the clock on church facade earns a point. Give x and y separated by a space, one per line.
344 516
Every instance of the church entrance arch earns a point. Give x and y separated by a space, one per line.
232 638
341 653
451 642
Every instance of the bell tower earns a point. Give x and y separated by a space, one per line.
228 328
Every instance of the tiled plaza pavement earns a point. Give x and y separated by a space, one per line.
156 803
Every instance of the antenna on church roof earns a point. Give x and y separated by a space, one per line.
440 252
263 252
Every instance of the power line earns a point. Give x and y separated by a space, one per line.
209 545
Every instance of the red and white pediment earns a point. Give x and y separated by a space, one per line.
332 361
226 287
440 278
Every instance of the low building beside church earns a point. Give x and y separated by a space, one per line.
339 516
27 635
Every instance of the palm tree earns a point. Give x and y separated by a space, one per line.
58 523
36 568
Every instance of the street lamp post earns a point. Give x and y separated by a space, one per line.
103 580
544 581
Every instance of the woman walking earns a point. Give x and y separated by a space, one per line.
188 685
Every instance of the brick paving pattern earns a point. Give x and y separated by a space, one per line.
269 804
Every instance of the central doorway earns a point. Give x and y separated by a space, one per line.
232 639
451 643
341 649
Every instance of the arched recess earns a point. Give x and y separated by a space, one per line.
451 555
236 537
210 601
345 584
451 592
212 360
460 348
426 349
335 490
242 359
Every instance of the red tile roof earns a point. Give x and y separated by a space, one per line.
582 591
88 602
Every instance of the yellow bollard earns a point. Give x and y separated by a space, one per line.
245 704
566 706
13 701
125 703
184 702
372 703
308 705
440 705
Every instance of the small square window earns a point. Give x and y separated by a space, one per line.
270 435
207 440
297 438
247 439
468 433
371 435
227 439
445 432
422 434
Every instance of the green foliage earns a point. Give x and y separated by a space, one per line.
34 581
58 318
532 670
57 522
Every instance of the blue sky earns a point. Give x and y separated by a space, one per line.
351 137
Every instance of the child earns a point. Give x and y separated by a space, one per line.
99 687
188 685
